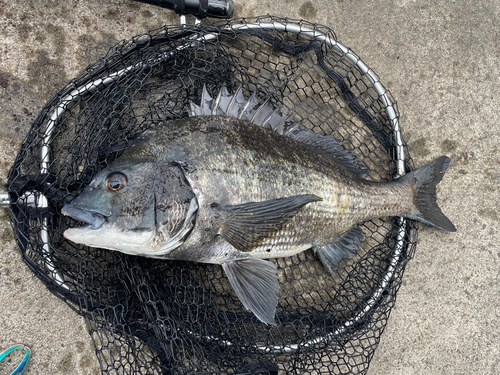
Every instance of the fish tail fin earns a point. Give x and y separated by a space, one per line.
425 180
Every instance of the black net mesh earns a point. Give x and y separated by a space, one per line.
168 317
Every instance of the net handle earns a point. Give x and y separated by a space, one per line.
198 8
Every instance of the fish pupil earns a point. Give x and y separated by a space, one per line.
116 182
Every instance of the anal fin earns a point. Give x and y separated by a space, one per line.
344 247
255 281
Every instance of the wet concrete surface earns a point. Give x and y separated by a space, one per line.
439 59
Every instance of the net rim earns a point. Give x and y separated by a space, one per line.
400 244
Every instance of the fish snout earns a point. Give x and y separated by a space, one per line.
94 219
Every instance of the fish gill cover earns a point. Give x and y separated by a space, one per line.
149 316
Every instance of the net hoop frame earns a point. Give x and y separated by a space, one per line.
39 200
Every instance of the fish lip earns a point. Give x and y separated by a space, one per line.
94 219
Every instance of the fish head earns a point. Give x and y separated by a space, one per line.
133 207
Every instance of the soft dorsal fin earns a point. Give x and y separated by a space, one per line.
246 225
265 115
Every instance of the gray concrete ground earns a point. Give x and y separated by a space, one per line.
440 59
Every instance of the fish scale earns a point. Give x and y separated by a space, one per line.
343 204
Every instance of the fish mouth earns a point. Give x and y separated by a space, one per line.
94 219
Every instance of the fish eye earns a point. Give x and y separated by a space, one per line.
116 181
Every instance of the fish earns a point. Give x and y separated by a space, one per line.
237 183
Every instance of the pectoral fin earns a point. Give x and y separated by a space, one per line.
345 246
246 225
255 281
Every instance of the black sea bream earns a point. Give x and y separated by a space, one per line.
215 188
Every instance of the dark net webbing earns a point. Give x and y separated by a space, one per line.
168 317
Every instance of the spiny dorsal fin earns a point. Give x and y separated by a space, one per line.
265 115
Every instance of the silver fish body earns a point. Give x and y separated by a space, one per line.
218 189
